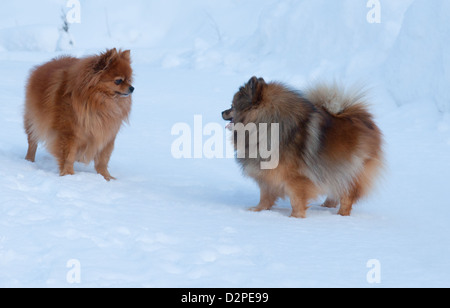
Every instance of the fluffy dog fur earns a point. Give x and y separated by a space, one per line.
76 107
329 144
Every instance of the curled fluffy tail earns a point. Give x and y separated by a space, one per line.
337 99
366 162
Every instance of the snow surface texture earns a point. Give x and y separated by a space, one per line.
183 223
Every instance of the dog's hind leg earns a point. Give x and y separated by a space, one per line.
66 155
361 186
32 143
346 206
349 200
330 203
32 149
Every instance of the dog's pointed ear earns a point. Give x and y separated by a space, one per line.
126 55
254 81
105 60
256 86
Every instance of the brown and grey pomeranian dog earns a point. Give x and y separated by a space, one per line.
76 108
328 144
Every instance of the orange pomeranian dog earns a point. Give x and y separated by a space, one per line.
328 141
76 107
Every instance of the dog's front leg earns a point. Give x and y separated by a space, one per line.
102 161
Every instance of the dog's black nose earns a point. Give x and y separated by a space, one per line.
131 89
225 115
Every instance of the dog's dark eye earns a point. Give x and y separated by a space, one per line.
118 82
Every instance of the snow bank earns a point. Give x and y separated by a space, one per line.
29 38
30 25
418 66
304 40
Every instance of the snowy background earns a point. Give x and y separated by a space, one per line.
183 223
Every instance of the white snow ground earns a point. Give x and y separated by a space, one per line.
183 223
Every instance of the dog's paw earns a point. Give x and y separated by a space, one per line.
67 171
301 214
108 177
254 209
330 204
345 212
257 209
105 173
